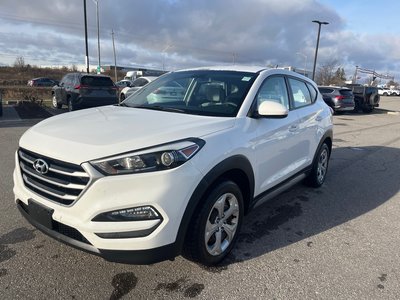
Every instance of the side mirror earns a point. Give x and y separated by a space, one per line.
272 109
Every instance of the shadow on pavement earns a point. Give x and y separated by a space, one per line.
358 181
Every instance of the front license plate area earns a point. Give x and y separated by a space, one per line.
40 214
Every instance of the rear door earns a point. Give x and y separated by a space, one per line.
303 100
59 91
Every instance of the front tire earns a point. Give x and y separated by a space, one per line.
216 225
55 103
320 167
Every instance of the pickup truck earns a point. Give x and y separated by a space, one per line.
366 98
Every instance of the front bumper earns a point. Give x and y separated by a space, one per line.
148 256
167 191
94 101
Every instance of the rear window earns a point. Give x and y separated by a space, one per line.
96 81
325 90
346 92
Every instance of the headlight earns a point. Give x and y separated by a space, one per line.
155 159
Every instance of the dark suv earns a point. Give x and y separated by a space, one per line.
81 90
338 98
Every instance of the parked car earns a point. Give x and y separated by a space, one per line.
42 81
338 98
395 92
137 84
384 91
81 90
123 83
146 181
170 92
366 98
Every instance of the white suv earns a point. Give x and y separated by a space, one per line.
146 181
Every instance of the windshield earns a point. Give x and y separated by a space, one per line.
202 92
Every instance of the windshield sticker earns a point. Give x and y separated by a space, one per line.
246 78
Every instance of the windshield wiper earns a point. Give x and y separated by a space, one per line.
162 108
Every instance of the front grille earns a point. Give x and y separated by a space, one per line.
63 183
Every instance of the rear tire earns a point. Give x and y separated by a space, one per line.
320 167
71 106
216 225
367 109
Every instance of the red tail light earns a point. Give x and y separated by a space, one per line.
80 86
340 97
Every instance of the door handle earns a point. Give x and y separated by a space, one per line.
293 128
318 119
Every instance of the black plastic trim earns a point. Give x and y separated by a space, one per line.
54 234
140 257
278 186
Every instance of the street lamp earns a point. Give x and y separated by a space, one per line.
164 53
86 37
305 61
316 48
98 34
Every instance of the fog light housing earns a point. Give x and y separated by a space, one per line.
141 213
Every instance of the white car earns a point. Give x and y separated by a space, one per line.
147 181
384 91
123 83
137 84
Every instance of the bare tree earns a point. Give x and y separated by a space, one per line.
19 62
330 73
74 68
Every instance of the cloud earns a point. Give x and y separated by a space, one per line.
185 33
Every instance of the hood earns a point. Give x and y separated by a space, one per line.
95 133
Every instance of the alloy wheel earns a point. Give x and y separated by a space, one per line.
222 223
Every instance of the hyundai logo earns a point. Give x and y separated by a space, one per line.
40 166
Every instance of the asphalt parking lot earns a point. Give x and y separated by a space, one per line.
337 242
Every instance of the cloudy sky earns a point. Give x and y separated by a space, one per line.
188 33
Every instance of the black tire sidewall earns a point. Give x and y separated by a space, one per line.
70 106
312 179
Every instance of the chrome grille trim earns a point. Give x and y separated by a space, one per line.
41 177
54 168
38 187
63 183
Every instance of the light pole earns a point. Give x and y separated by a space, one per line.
98 34
115 56
316 48
305 61
86 37
164 53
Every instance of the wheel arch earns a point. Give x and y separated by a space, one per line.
237 169
328 139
